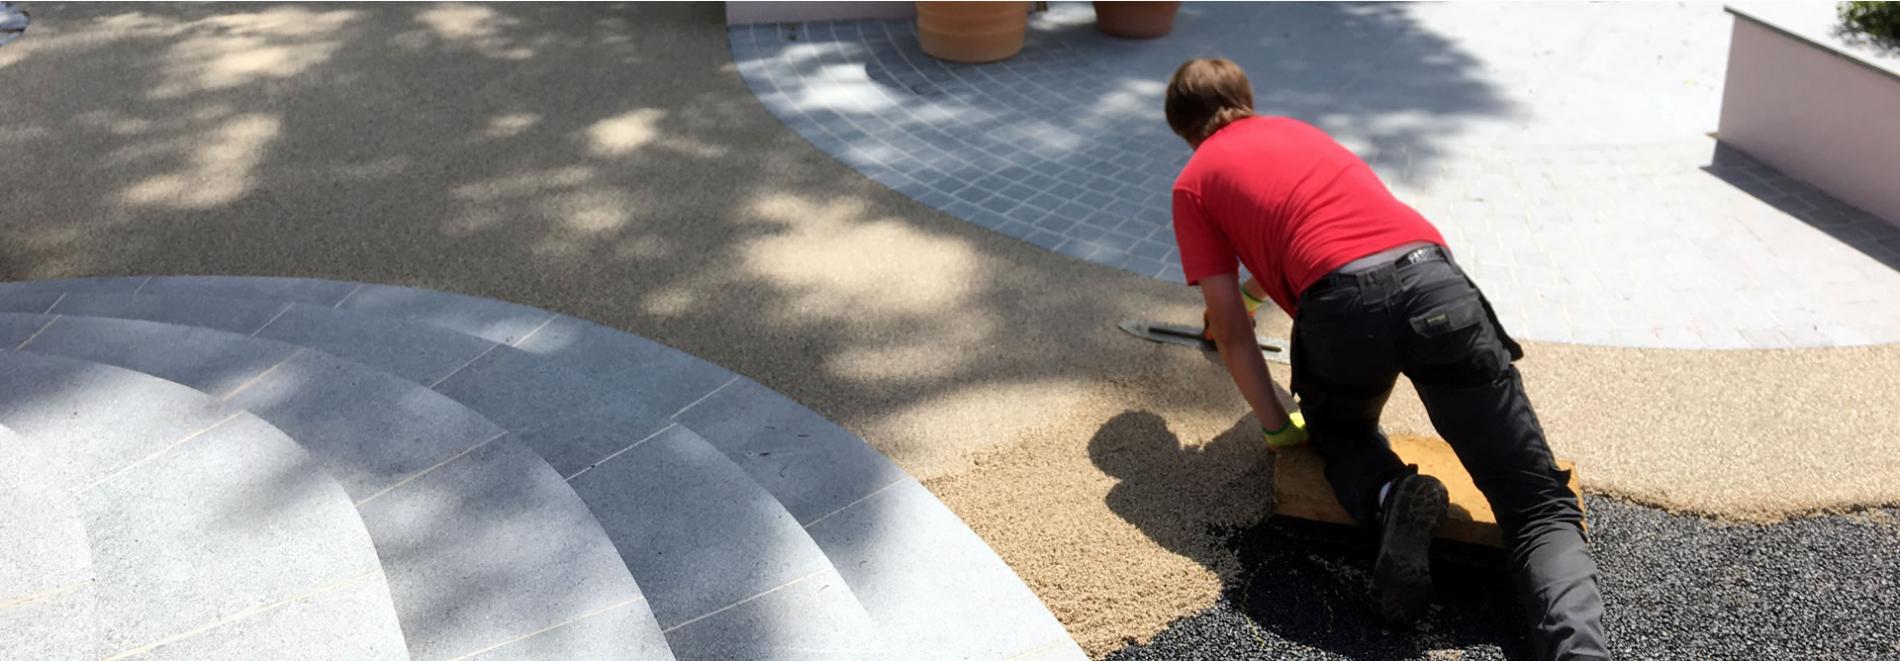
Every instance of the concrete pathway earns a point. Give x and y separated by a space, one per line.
1562 148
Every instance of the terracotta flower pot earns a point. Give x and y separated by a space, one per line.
1135 20
972 32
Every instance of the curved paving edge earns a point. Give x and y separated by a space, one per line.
482 542
1064 147
871 520
46 582
161 473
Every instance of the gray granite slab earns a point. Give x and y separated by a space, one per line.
903 543
231 519
661 376
371 430
28 302
580 442
235 315
696 532
624 633
322 622
423 354
282 290
812 619
42 537
53 627
54 400
486 318
523 391
491 547
46 573
211 361
808 463
16 328
102 285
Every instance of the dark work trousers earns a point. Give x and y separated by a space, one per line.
1422 317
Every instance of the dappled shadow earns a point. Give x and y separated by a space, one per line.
1303 583
1065 145
604 161
1848 224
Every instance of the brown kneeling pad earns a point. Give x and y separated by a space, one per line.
1300 489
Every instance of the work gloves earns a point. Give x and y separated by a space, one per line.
1294 433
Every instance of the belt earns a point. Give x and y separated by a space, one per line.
1419 256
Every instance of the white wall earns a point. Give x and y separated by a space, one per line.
1815 116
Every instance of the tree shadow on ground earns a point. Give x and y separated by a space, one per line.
1297 582
604 161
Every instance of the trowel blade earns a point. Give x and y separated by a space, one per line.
1188 336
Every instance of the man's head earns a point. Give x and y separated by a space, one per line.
1205 95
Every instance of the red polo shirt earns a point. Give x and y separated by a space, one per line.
1289 203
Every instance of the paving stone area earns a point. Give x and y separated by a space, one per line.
1563 149
519 471
1675 587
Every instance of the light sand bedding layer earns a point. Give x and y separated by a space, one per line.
608 162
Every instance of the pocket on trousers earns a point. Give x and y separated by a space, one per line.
1452 341
1449 318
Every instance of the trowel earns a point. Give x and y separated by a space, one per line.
1188 336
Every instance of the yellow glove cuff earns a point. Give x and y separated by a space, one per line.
1293 434
1253 304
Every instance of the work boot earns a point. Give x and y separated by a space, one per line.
1402 576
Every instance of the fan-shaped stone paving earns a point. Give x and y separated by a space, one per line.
222 467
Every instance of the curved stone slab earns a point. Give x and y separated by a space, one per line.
482 542
203 520
46 578
814 469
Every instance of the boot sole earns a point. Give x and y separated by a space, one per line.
1402 576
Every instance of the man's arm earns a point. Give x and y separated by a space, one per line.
1232 330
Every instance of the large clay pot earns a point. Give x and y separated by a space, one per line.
972 31
1135 20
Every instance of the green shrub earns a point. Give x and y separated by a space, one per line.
1880 20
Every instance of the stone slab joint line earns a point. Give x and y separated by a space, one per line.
346 297
544 324
552 627
142 284
36 334
431 469
855 503
273 319
44 594
260 375
458 369
246 613
56 301
702 398
743 602
174 445
620 451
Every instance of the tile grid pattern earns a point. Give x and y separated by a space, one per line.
1658 238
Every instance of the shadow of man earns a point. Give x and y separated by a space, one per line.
1305 585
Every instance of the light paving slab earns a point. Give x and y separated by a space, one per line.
664 378
492 547
811 465
285 290
879 545
698 534
812 618
46 579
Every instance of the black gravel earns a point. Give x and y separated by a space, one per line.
1675 587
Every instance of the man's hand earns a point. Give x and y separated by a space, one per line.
1291 434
